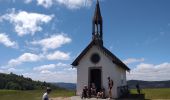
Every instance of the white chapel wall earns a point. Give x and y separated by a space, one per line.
108 69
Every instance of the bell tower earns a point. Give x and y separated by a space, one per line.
97 29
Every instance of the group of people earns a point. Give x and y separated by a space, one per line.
88 92
91 91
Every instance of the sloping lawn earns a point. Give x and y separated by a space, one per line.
32 95
160 93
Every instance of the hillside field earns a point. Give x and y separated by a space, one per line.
32 94
162 93
157 93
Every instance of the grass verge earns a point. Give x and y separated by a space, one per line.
160 93
32 95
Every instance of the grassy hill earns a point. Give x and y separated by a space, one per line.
69 86
17 87
33 94
150 94
155 93
15 82
131 84
148 84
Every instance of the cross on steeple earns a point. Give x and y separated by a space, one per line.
97 33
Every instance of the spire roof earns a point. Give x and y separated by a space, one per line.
97 15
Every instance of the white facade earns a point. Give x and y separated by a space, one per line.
95 64
108 68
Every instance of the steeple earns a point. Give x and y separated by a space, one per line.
97 33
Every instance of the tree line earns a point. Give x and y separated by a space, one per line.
19 82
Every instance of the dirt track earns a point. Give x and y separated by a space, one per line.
60 98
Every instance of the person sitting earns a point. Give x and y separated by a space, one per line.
100 94
85 92
93 90
89 92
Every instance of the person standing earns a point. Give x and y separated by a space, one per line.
45 95
110 86
138 88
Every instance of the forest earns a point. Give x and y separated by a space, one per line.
19 82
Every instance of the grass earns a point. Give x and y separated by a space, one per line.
163 93
160 93
32 95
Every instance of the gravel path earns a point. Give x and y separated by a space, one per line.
75 98
61 98
78 98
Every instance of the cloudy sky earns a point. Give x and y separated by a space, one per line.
40 38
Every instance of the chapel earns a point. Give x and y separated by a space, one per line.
96 63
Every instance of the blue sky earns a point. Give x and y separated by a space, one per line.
40 38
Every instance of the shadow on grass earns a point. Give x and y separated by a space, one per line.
133 97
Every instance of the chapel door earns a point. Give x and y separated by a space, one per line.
95 77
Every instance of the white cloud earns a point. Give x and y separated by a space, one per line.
30 57
150 72
50 67
26 57
53 42
54 76
133 60
45 67
62 65
59 72
45 72
58 55
75 4
5 40
10 69
25 22
1 71
70 4
14 70
45 3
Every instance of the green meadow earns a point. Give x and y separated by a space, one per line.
163 93
160 93
32 95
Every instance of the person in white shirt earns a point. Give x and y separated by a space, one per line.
45 95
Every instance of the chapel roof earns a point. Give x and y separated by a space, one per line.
97 18
97 40
114 59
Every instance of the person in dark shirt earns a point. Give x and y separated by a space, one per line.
85 92
138 88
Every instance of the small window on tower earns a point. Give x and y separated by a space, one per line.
96 29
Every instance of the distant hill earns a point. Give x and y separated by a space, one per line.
148 84
18 82
15 82
131 84
70 86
